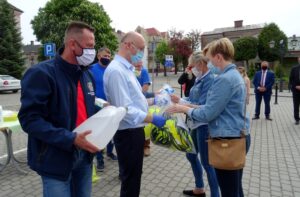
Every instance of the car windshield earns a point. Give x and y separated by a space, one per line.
7 77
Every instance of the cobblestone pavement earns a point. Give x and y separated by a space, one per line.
272 168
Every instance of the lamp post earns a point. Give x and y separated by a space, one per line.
294 42
281 50
271 45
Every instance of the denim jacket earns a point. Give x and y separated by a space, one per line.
225 105
198 92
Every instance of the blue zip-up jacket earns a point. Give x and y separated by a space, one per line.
48 114
225 105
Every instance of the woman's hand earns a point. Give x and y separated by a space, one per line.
175 98
177 108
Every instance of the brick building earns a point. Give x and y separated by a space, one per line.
233 33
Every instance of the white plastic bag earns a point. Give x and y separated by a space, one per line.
103 125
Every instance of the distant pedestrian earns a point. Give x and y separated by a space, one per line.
263 81
243 72
57 96
98 70
294 84
187 80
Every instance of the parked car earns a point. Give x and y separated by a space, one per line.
9 83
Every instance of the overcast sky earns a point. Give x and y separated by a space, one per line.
182 14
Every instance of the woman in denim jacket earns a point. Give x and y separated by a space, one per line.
224 109
198 94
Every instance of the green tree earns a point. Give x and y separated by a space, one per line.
270 33
161 50
51 21
245 49
11 60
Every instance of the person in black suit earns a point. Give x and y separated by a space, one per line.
294 84
263 81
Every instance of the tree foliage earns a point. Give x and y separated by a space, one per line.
51 22
11 60
161 50
181 50
195 37
245 49
270 33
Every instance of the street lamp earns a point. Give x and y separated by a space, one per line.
281 50
281 54
294 42
272 45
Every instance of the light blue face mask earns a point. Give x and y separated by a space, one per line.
215 70
137 57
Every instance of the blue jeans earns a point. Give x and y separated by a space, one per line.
230 181
199 136
79 183
109 149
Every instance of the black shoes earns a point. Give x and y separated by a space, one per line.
297 122
100 166
255 118
191 193
112 156
268 118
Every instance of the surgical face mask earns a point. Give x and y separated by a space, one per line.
87 56
137 57
215 70
104 61
137 73
264 67
196 72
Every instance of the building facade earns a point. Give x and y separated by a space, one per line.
233 33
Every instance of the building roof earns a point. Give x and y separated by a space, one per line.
31 48
152 32
15 8
228 29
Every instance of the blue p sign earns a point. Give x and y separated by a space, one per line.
49 49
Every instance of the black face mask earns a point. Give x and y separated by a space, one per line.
264 68
104 61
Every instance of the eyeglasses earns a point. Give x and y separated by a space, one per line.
136 48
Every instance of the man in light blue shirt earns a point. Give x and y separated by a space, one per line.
98 70
122 88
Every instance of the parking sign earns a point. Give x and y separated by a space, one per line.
49 49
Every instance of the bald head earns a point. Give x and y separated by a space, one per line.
131 44
132 36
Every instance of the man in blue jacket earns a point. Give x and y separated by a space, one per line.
263 81
58 95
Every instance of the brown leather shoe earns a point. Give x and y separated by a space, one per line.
147 151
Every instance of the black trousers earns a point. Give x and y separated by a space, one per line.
267 99
129 145
296 101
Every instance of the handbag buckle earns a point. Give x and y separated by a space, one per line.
224 145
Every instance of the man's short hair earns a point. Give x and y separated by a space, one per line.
107 50
76 28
